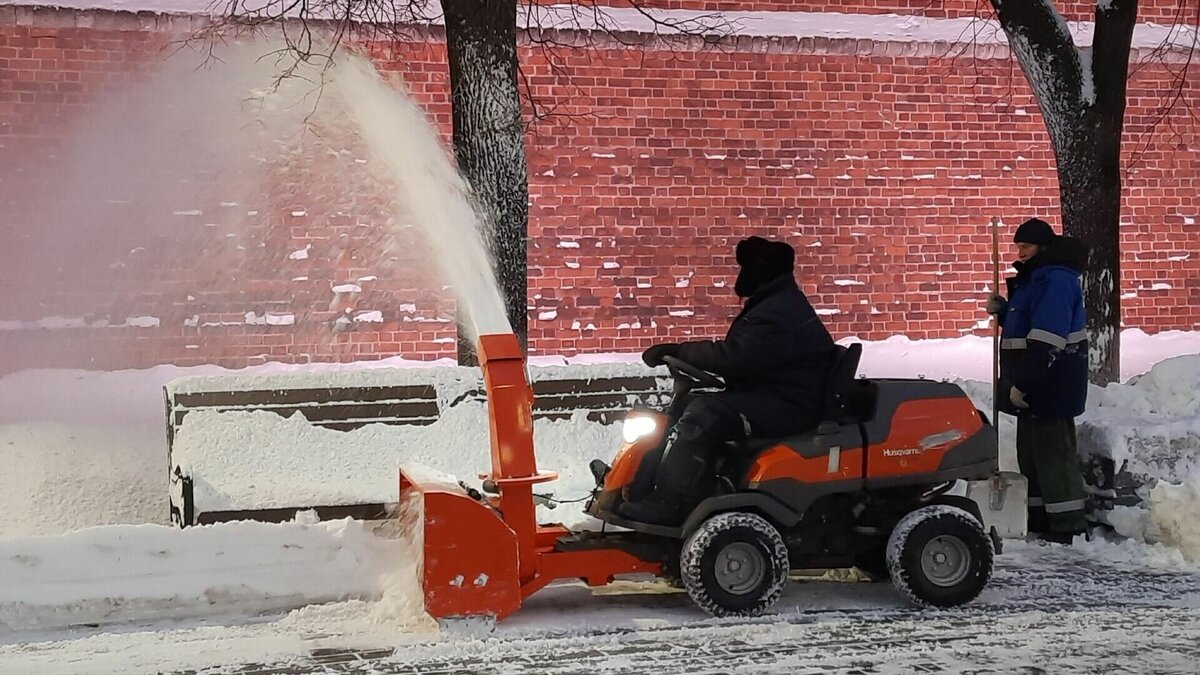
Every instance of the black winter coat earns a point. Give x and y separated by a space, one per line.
773 359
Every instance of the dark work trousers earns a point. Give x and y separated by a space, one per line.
686 469
1047 457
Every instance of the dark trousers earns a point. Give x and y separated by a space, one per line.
1046 456
686 468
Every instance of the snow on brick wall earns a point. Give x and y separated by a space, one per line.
881 169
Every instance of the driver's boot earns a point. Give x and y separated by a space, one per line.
683 479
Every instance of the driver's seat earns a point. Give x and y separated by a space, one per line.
845 400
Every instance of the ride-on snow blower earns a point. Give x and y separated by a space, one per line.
867 488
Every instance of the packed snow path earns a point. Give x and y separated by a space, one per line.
1049 609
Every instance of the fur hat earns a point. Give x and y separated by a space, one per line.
761 261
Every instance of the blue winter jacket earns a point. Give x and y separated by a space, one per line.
1043 346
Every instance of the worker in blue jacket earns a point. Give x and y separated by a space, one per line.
1044 373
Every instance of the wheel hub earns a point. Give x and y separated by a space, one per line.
740 568
946 560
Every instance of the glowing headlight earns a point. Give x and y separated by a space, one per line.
637 427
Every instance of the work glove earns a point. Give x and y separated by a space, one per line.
997 305
654 355
1017 397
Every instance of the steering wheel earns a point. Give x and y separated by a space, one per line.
700 377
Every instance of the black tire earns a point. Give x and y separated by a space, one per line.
734 564
940 556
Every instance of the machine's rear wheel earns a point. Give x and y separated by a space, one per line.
940 555
734 564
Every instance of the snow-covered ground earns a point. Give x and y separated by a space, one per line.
83 467
1049 609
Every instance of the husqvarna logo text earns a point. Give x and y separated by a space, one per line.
901 452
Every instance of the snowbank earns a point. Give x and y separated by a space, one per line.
1146 434
57 477
150 572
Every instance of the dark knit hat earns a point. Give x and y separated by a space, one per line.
1034 231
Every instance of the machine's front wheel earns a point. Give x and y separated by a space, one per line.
734 564
940 555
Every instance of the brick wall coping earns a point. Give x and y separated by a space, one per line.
864 34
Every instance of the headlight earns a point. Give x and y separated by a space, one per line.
637 427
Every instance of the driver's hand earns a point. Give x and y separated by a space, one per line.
654 355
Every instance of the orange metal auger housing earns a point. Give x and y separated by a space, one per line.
483 557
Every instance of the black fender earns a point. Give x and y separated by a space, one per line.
960 502
775 511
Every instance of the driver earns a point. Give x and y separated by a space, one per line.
773 359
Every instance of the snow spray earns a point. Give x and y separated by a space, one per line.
213 175
429 189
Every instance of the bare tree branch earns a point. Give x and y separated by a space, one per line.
1166 55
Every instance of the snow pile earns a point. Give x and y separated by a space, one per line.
1175 513
86 448
58 477
1149 428
1171 388
149 572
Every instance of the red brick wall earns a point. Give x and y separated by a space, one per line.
882 168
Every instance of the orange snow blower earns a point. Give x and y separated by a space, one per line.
485 555
870 487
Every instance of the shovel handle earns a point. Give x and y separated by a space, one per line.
996 326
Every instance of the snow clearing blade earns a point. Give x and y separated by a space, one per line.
470 565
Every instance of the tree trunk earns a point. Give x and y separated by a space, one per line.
489 141
1090 193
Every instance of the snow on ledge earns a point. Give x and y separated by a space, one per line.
755 24
441 374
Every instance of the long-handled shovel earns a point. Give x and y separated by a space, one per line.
1003 498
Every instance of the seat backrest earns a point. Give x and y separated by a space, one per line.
839 381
